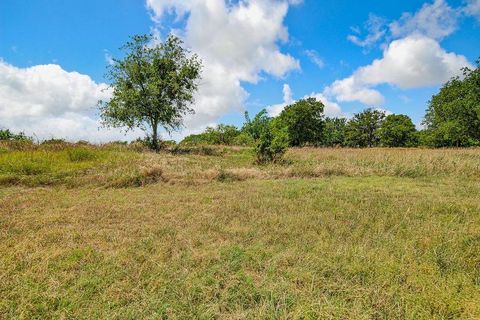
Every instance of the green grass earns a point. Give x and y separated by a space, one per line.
331 234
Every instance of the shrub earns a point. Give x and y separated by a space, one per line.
272 145
138 177
243 139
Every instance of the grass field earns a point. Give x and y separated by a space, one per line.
112 233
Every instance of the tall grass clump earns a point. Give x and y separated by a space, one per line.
81 154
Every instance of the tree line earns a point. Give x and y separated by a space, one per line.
452 120
154 84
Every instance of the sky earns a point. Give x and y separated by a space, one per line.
390 55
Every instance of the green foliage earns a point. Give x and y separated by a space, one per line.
334 132
453 115
272 145
221 135
303 120
243 139
152 86
362 129
7 135
397 130
258 125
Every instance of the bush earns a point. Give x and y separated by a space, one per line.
243 139
272 145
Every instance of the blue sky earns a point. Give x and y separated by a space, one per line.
258 54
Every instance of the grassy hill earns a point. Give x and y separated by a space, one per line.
113 232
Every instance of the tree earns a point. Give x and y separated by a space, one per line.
7 135
153 85
303 120
258 125
362 129
334 132
453 115
397 130
222 134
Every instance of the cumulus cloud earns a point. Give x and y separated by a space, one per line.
411 62
237 42
48 101
352 89
332 109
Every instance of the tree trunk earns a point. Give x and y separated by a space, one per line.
155 144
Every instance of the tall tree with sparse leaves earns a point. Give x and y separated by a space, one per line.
153 86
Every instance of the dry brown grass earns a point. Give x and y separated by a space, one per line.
330 234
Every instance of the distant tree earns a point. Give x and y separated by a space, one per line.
362 129
303 120
397 130
256 126
334 132
453 115
222 134
194 139
153 86
7 135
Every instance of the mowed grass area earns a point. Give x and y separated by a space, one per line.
206 233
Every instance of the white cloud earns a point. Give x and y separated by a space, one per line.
108 58
236 41
315 58
376 29
472 8
411 62
46 89
48 101
332 109
436 20
351 89
276 109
